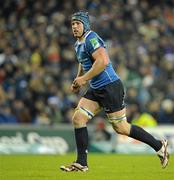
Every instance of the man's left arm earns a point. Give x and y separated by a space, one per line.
101 60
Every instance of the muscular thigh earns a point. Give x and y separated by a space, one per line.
87 108
119 122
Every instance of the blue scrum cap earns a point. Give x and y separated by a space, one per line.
83 17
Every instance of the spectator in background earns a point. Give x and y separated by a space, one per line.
144 120
166 113
35 39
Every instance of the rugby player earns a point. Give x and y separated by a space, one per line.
106 92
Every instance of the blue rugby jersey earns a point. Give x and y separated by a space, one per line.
84 50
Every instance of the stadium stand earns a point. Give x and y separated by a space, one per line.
37 61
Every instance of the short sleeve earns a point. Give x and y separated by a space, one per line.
93 42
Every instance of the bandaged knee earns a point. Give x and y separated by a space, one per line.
117 119
84 111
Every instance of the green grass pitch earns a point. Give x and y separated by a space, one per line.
102 167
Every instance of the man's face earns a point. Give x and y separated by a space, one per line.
77 28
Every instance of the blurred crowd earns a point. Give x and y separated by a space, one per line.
38 63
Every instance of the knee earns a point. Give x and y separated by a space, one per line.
78 120
119 130
123 129
75 120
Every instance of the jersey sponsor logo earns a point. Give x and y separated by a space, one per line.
94 43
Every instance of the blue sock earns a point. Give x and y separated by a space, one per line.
81 136
140 134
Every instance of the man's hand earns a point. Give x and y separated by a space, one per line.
79 81
75 88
